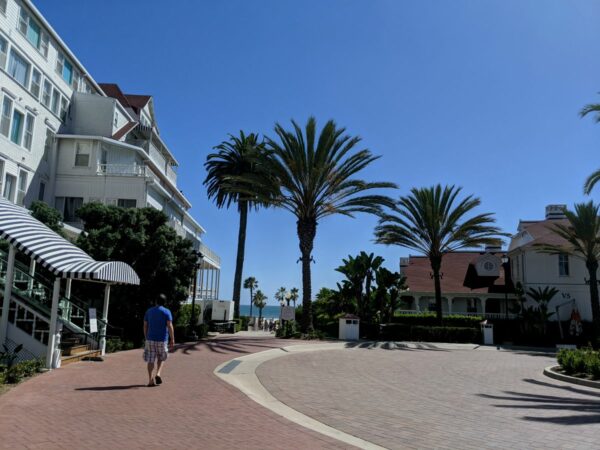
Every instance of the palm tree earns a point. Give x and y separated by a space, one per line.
592 108
543 297
280 295
251 283
260 301
581 234
429 221
315 175
294 294
359 272
230 173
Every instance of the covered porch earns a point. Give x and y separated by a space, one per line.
488 306
41 307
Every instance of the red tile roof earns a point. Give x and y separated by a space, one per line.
541 232
124 130
113 90
454 269
137 102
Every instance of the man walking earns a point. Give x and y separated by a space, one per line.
158 328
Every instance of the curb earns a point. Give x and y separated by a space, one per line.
241 374
550 372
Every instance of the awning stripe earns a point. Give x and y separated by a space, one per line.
55 253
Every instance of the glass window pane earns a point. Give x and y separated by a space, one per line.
33 33
17 127
3 52
67 72
55 100
36 80
18 68
28 131
47 93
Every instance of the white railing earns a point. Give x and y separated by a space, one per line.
172 174
210 254
461 313
130 170
177 227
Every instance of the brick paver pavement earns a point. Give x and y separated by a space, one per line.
106 405
438 399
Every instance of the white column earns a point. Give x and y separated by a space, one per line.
104 328
8 282
68 288
52 338
483 304
218 282
418 303
200 289
212 284
450 300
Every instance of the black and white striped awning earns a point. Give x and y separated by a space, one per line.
55 253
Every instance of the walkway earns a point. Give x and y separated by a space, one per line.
106 405
442 399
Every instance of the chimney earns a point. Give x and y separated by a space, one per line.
404 263
555 212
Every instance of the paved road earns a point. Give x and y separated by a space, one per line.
460 399
106 405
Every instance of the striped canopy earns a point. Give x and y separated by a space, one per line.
58 255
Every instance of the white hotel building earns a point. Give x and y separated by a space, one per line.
66 139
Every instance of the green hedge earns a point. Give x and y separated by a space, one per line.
404 332
580 362
116 345
430 319
19 371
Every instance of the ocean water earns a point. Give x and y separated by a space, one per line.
269 311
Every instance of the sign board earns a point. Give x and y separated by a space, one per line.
288 313
93 321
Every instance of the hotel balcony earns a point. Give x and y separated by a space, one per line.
158 152
128 170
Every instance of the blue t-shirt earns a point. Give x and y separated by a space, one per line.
157 318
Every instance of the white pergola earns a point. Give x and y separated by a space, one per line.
63 259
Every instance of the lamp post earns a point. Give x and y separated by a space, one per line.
504 266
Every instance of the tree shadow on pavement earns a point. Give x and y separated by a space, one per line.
586 402
227 345
391 345
111 388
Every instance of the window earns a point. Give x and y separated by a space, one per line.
55 101
22 190
71 205
28 138
18 68
36 83
3 6
46 94
64 68
126 203
9 187
563 265
33 32
6 112
82 154
16 130
42 191
1 173
3 52
64 106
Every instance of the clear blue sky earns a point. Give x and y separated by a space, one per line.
483 94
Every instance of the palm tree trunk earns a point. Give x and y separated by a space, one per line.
307 230
251 301
239 264
592 267
436 264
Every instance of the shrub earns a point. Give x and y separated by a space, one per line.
288 330
404 332
314 334
430 319
115 344
581 361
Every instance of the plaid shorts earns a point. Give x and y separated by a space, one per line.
155 350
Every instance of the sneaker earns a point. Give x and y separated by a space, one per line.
158 380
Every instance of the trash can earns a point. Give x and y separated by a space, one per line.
349 328
487 330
